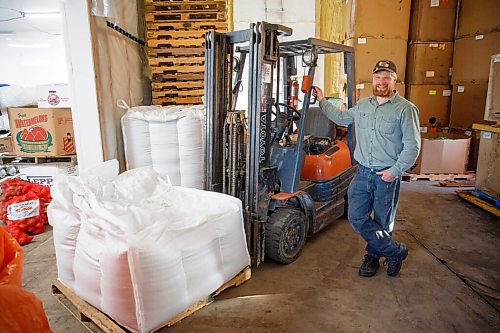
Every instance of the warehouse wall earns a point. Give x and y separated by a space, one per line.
32 58
283 12
31 43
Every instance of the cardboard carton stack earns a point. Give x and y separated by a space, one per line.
477 39
429 61
377 29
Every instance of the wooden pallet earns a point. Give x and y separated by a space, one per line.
176 70
90 316
12 159
186 26
160 2
175 34
438 177
177 52
454 183
159 86
171 43
174 93
177 100
178 77
468 196
201 16
196 6
176 61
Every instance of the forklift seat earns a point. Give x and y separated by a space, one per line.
318 124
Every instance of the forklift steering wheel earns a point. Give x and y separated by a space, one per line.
295 114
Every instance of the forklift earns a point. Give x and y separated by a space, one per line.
284 162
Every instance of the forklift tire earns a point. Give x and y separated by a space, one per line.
286 231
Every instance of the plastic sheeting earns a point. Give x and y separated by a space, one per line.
168 138
17 96
21 310
140 249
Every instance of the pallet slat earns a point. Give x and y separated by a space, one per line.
160 2
178 93
173 61
81 309
177 100
184 52
438 177
187 25
158 86
178 77
12 159
166 16
173 43
78 307
185 6
175 34
178 69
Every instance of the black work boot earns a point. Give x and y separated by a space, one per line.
394 263
369 266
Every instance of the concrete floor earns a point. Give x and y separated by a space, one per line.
449 283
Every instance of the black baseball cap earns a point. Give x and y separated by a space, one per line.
385 65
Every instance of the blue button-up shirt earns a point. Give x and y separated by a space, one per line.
387 135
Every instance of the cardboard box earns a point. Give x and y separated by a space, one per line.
442 153
53 96
41 132
468 102
433 101
475 139
5 144
364 89
478 17
429 63
367 51
44 174
367 18
492 110
433 20
472 56
488 165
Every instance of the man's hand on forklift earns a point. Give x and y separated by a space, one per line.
318 93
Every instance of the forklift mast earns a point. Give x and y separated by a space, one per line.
242 155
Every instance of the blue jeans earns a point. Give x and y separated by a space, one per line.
369 193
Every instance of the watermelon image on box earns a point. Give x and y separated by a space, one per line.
34 139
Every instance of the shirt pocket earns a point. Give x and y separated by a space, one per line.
363 120
387 125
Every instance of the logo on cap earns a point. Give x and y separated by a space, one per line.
385 65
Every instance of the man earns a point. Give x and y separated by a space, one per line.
387 144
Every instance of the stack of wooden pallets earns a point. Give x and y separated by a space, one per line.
176 45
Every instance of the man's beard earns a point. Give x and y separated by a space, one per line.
383 93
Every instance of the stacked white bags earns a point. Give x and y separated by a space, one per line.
140 249
169 138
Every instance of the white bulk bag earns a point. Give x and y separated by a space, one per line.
147 250
168 138
65 217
